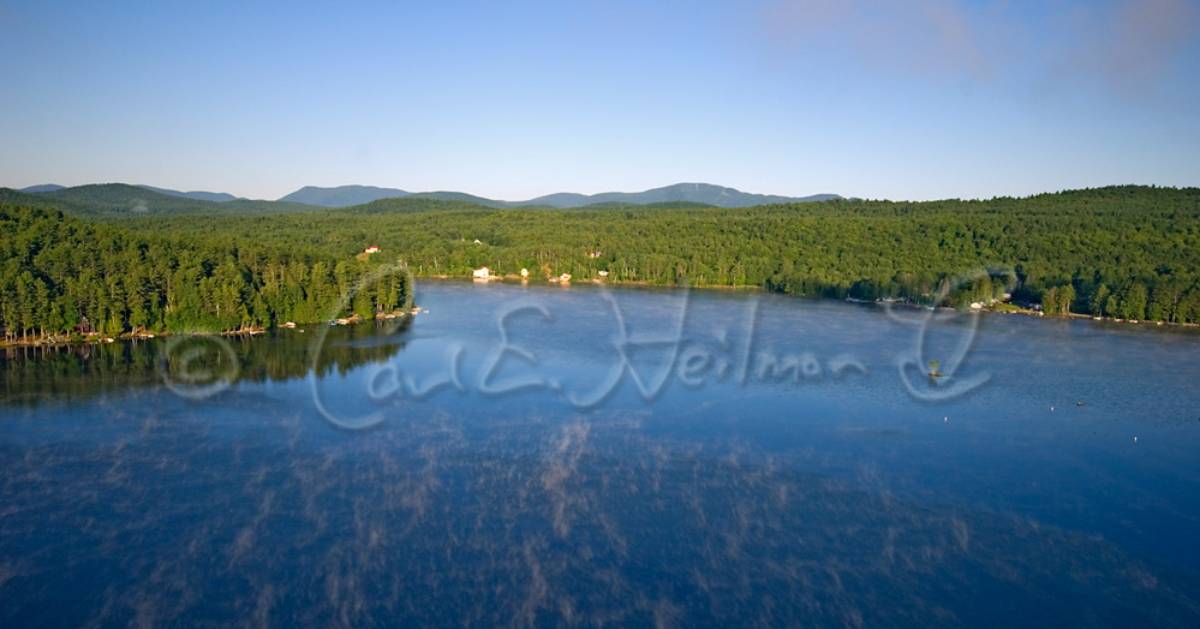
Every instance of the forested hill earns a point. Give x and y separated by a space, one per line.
61 277
1129 251
1126 251
120 201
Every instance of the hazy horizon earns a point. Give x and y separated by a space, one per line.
415 190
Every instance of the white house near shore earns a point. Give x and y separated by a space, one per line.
482 273
371 249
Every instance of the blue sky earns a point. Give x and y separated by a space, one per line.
906 100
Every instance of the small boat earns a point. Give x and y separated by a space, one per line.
935 369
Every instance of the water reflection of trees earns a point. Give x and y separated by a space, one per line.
32 374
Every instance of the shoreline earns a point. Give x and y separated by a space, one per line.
100 339
999 308
1007 309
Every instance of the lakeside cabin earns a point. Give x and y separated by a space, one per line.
482 274
371 249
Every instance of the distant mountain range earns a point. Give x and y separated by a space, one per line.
123 200
118 199
708 194
342 196
45 187
199 195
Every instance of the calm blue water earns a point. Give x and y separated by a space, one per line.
380 476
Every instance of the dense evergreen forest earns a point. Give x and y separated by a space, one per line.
1129 252
61 277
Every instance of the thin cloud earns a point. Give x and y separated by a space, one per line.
1145 38
938 38
1122 43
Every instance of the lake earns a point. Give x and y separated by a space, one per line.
551 455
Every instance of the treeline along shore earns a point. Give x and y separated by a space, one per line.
70 266
64 279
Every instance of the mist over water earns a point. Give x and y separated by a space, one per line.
522 491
